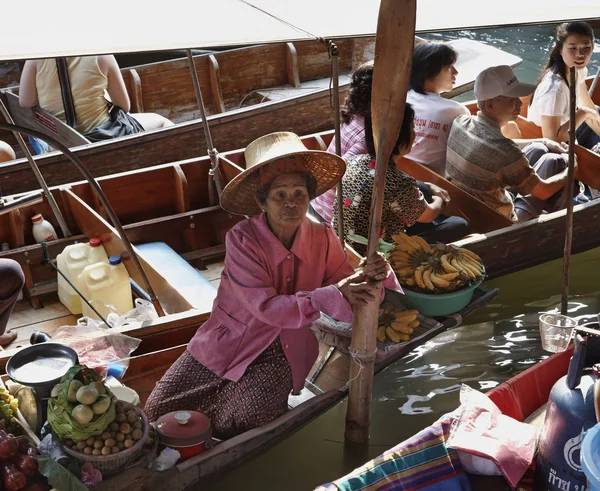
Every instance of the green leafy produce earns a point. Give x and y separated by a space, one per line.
58 476
8 408
60 416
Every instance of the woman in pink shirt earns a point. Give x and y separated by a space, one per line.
281 271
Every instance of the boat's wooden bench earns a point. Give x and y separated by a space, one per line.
196 289
286 91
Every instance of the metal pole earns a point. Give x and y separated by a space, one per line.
109 210
214 160
570 183
38 175
335 75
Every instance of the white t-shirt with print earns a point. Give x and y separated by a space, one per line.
433 119
551 97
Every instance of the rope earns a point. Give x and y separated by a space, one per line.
280 19
358 358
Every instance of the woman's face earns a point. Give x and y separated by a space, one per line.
287 202
577 51
445 80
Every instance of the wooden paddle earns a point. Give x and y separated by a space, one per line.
391 72
482 217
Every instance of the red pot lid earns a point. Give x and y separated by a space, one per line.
183 428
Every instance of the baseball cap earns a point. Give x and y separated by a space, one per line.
500 80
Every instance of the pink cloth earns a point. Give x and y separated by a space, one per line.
267 291
352 136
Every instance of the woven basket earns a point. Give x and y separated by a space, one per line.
114 463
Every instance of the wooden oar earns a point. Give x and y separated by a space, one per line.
391 72
482 217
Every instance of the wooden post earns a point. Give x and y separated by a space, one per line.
335 75
570 183
391 72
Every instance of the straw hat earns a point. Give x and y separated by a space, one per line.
274 154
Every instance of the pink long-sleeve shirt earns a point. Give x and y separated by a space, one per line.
268 291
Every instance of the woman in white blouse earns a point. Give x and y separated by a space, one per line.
549 106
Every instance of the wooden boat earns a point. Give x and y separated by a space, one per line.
523 397
249 92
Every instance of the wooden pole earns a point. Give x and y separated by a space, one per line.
335 75
391 73
570 183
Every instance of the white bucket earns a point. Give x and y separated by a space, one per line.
71 262
107 288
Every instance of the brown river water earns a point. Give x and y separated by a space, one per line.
496 343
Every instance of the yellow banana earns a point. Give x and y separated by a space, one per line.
399 255
405 272
401 327
447 276
405 243
462 267
421 242
399 265
471 254
414 323
405 319
419 277
410 281
474 265
395 337
427 279
437 281
381 334
446 264
390 309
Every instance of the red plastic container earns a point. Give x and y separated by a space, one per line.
188 432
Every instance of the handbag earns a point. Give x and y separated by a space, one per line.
119 123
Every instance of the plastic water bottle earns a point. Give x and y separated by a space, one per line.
42 229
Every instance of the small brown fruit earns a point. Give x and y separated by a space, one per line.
109 442
128 443
137 425
90 441
125 428
120 437
119 407
96 451
106 451
114 426
120 445
98 444
132 417
137 434
81 445
105 435
128 407
121 418
88 450
69 443
115 449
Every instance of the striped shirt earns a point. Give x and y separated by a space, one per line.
484 163
352 137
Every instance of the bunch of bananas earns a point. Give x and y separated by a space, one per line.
441 269
394 325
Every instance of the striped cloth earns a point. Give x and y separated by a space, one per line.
421 463
352 136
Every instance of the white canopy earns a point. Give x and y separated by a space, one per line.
43 28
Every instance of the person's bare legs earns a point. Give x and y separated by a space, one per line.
11 284
6 152
152 121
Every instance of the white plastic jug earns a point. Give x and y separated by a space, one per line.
71 261
106 286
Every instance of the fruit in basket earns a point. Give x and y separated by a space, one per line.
441 269
83 414
395 325
72 391
101 405
87 394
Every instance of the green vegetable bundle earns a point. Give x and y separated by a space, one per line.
64 425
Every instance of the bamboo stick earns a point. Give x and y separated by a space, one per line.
391 72
570 183
335 75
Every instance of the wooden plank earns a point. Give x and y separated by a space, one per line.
135 90
291 64
215 84
481 217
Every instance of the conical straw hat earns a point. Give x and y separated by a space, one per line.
264 155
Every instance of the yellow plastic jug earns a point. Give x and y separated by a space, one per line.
71 261
107 288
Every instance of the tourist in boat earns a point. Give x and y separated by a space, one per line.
405 209
356 108
281 271
6 152
432 74
484 163
11 284
90 78
549 106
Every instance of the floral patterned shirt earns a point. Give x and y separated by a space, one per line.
403 202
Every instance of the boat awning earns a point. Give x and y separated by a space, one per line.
71 27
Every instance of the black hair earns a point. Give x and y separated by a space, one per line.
556 64
262 192
403 137
358 100
429 58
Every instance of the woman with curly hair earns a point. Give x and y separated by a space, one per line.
433 73
357 107
549 106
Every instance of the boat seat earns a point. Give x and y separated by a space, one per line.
283 92
194 287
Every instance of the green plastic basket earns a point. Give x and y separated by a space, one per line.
438 305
